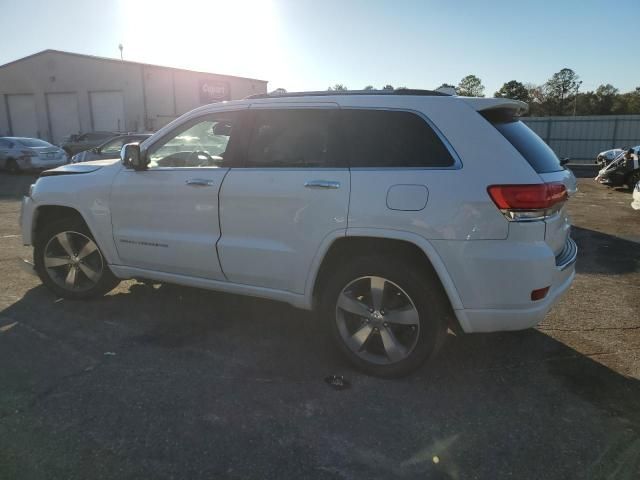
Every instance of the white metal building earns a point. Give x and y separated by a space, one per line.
52 94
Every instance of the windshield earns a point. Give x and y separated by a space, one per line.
34 142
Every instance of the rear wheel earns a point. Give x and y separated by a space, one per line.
387 316
69 262
12 166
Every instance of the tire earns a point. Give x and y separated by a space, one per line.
633 178
65 245
409 295
12 166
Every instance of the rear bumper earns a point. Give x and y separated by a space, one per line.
495 279
495 320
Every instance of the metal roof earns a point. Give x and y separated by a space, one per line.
129 62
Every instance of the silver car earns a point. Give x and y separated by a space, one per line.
21 154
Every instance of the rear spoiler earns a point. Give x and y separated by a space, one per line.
497 109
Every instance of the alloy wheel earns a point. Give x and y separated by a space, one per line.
377 320
73 261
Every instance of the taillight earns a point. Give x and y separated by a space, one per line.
528 202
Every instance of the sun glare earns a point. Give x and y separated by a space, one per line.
235 37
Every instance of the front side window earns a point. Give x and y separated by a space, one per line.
200 143
290 138
386 138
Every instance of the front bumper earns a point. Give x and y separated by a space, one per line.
26 220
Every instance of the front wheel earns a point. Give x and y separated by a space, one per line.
386 315
69 262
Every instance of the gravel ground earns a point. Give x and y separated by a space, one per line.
176 383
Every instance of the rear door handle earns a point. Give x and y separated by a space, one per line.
199 182
321 184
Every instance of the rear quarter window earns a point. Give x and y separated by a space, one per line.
535 151
386 138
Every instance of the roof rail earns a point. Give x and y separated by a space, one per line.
403 91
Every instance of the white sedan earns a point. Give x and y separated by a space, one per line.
20 154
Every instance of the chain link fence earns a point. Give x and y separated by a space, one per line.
582 138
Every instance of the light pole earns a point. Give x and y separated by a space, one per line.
121 48
575 99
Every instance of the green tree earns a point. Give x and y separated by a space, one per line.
605 96
402 88
514 90
369 87
446 85
561 87
338 87
470 86
387 87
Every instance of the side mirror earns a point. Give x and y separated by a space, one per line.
564 161
131 157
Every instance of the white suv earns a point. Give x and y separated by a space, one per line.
396 215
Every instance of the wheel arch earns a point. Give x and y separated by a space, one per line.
44 215
361 240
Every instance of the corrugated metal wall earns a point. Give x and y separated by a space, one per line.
582 138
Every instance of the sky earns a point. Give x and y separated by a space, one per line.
310 45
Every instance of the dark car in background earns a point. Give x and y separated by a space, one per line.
109 149
79 142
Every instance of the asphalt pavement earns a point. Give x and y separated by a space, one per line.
168 382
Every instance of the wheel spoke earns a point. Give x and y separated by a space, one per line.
65 242
361 336
91 274
394 349
53 262
70 281
88 249
377 292
352 305
404 316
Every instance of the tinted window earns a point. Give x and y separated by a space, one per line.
379 138
200 143
290 138
531 146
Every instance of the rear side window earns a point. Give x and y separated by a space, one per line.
531 146
383 138
291 138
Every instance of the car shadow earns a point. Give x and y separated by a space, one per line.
601 253
212 371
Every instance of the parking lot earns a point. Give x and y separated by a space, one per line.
173 382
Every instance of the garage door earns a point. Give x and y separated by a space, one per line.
22 113
63 115
107 111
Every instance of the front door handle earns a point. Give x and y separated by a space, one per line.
199 182
321 184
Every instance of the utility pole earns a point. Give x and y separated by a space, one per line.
121 47
575 99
